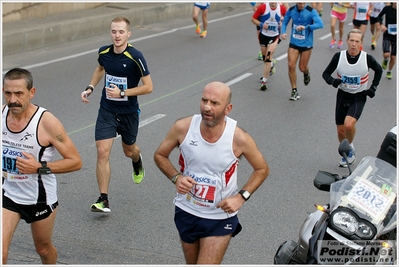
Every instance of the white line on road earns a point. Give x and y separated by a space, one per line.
327 35
151 119
240 78
281 57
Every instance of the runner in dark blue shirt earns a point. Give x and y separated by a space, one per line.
122 67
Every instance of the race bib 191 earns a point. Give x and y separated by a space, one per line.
10 169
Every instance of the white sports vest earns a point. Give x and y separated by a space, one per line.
361 11
273 18
354 77
213 166
26 189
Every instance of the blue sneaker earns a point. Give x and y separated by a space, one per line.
351 159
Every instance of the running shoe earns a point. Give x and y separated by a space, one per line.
306 79
340 43
384 63
294 95
100 206
138 171
272 71
274 62
203 34
332 44
351 159
198 29
260 56
373 45
263 86
389 75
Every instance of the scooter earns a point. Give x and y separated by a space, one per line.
358 226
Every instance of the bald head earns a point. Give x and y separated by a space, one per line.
219 89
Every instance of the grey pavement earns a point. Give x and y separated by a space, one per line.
31 34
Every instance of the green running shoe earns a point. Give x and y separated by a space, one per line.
138 171
384 64
100 206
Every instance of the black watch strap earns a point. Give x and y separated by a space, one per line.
43 169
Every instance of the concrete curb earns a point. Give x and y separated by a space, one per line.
37 33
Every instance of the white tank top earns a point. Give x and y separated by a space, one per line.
213 166
26 189
361 11
354 77
377 7
273 20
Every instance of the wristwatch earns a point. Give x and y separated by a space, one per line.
174 178
43 169
122 93
245 194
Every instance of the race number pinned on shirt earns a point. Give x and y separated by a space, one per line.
120 82
298 34
272 27
350 82
10 169
392 29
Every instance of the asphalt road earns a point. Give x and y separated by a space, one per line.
296 138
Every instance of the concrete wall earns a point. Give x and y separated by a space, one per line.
73 24
21 11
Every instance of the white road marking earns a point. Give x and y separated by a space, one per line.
240 78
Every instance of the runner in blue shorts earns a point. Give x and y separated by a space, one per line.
208 198
122 67
204 7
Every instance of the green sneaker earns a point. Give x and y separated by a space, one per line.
389 75
260 56
384 64
100 206
138 171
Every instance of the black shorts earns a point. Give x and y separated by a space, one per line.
109 124
349 105
357 23
29 213
300 49
389 46
191 228
374 20
266 40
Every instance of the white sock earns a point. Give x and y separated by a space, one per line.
264 79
